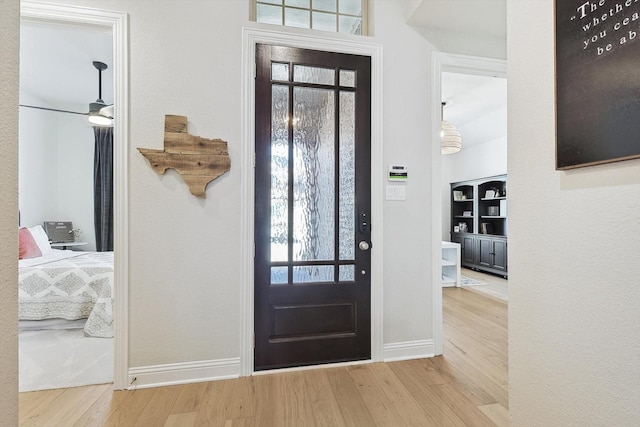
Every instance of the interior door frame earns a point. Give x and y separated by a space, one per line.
464 64
118 24
329 42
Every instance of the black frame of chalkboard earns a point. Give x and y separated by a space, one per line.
597 108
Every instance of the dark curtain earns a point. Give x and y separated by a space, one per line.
103 188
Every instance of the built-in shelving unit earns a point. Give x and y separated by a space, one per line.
450 264
479 223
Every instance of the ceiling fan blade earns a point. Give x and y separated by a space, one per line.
107 111
53 109
99 113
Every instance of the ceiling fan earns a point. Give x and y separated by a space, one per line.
100 114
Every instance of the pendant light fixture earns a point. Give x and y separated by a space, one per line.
450 137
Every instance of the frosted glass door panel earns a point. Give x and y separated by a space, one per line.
280 173
313 274
313 174
314 75
347 175
280 71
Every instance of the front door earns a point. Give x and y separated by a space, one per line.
312 207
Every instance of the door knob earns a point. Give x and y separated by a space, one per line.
364 245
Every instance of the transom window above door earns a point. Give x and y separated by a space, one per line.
341 16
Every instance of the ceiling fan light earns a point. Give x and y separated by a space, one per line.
451 139
99 112
95 118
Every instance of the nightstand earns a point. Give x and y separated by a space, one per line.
65 245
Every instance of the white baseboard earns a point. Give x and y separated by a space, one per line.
409 350
221 369
183 373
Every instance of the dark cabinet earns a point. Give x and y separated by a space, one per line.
486 253
500 255
492 254
479 223
467 248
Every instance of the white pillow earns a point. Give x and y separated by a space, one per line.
41 238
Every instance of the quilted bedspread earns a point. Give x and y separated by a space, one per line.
76 287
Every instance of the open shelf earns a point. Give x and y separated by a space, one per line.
450 261
448 280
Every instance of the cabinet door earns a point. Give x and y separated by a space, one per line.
485 252
468 250
500 254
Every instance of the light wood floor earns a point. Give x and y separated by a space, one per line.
465 387
496 286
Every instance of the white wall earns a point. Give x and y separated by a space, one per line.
184 263
56 170
185 252
9 51
37 167
407 232
75 149
574 292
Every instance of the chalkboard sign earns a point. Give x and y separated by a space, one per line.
597 81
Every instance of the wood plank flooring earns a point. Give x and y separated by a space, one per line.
496 286
467 386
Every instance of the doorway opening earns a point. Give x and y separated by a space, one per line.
452 74
319 42
56 24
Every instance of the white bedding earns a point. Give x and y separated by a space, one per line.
69 285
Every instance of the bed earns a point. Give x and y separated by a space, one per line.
69 286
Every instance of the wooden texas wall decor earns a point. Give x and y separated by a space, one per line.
198 160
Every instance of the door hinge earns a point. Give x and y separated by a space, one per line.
255 70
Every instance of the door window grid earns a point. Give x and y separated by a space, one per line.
342 16
319 269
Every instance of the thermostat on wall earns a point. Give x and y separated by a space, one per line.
398 173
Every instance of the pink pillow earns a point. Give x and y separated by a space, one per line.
28 247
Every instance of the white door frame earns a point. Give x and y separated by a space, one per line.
117 22
463 64
326 42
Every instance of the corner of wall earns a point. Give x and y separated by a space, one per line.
9 57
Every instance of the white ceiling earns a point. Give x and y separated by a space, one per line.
476 105
479 17
56 69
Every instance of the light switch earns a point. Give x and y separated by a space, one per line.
396 192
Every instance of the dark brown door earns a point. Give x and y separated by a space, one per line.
312 207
